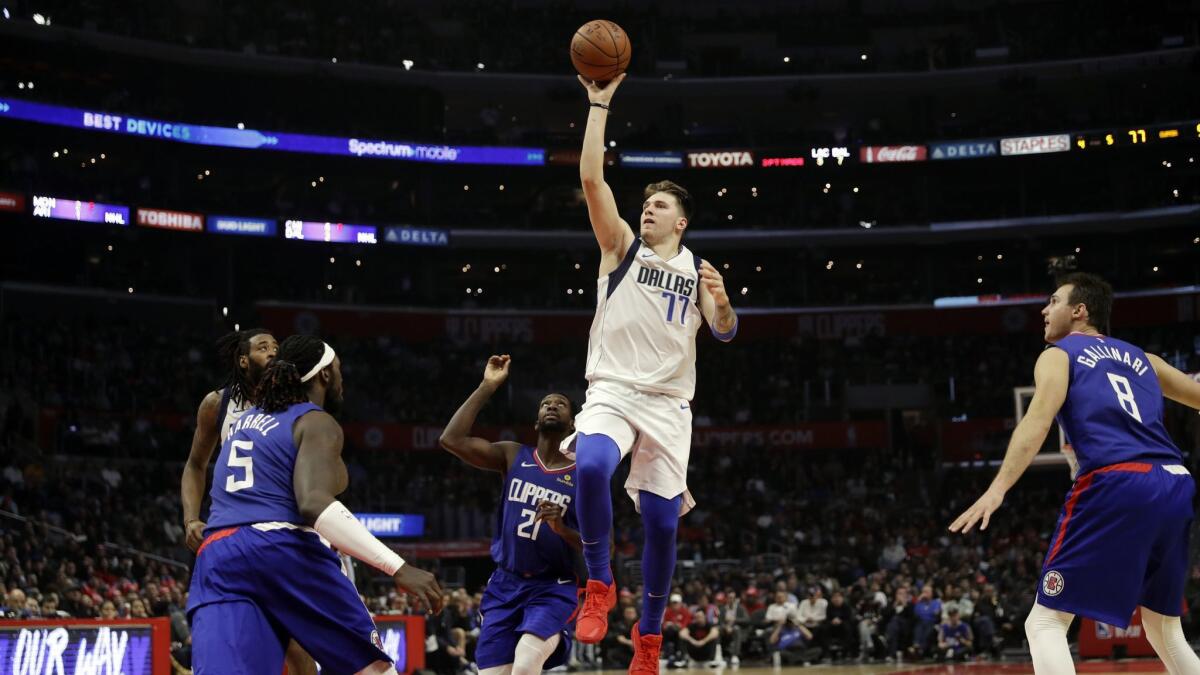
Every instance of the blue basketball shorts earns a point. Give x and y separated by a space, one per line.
1121 541
254 590
513 605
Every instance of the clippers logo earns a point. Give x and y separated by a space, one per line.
376 640
1052 583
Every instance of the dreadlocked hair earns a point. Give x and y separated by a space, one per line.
281 386
230 347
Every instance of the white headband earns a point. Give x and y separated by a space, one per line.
326 359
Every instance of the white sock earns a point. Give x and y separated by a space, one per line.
1046 630
1165 634
532 652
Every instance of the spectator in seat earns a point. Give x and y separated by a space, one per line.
954 638
840 626
700 639
811 613
618 648
734 620
675 619
897 620
928 612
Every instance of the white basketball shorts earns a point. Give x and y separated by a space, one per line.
655 428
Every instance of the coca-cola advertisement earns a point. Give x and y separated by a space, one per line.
872 154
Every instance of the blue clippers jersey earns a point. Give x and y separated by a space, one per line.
253 479
1114 407
520 545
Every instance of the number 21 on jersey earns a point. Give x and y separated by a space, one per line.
530 526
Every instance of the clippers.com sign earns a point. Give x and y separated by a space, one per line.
877 154
723 159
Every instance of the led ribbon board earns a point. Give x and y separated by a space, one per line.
251 139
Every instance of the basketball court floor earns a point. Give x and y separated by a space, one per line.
1125 667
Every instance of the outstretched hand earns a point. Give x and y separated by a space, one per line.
598 94
983 508
496 371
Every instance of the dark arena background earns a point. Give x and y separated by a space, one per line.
889 188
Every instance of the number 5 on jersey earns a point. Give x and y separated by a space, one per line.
244 461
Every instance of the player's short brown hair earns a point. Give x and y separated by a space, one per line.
680 193
1095 293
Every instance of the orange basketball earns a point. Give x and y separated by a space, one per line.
600 50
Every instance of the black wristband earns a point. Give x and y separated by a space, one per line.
603 106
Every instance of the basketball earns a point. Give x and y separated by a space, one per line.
600 50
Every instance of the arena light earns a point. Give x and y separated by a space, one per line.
407 63
6 14
41 20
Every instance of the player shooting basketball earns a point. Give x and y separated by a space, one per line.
1122 538
641 370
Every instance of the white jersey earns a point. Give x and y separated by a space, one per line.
233 413
647 315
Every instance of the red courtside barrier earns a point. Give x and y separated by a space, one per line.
1097 640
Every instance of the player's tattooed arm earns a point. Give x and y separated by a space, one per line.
195 471
1176 385
1050 376
714 303
613 234
456 437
